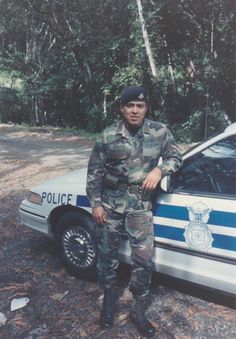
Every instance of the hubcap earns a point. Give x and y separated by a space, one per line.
79 247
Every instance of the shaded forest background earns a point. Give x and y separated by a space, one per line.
65 62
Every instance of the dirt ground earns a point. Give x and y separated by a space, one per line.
61 306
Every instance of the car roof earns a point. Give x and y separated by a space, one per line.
231 128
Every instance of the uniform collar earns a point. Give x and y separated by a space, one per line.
146 126
122 130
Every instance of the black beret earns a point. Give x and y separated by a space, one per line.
133 93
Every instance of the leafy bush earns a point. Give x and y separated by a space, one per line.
12 108
199 126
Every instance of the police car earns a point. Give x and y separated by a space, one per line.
194 218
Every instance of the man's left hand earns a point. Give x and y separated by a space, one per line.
152 179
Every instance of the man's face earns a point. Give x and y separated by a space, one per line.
134 112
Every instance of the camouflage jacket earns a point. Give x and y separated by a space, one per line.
119 159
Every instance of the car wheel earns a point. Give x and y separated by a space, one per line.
77 244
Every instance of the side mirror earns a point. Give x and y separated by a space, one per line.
166 183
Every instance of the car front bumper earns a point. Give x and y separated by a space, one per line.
31 217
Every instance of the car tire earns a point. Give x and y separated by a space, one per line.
76 239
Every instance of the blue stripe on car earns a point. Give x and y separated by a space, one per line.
217 218
178 212
173 233
82 201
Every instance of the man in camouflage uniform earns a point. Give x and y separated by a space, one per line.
123 172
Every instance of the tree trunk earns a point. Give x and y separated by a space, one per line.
147 42
35 110
149 50
170 68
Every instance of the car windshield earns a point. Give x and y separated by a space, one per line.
199 143
211 171
221 150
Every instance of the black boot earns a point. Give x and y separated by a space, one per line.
108 307
138 317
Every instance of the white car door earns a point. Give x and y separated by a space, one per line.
199 217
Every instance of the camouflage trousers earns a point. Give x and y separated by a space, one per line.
139 228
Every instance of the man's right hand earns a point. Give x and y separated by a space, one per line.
98 215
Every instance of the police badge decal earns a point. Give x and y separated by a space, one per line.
197 234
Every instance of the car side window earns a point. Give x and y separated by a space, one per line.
211 171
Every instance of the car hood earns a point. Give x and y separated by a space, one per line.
71 179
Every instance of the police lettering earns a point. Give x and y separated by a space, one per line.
56 198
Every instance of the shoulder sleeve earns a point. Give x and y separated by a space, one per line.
95 174
171 156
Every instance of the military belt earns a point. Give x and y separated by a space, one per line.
140 192
133 189
115 183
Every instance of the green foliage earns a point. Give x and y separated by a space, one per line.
12 108
200 126
69 62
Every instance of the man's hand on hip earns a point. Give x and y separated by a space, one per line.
98 215
152 179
